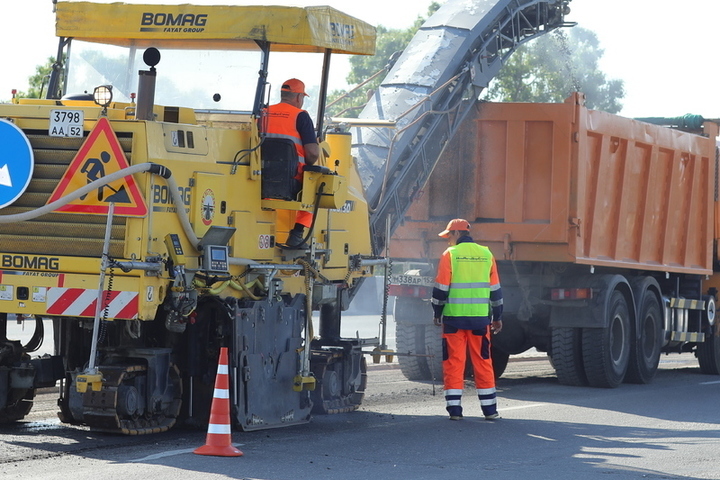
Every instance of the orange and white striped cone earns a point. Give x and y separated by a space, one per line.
219 438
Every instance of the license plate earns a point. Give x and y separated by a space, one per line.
412 280
66 123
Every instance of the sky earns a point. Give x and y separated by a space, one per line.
666 53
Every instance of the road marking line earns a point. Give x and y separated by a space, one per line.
171 453
710 383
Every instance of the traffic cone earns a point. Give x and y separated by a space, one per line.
219 439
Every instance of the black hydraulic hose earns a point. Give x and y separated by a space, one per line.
38 336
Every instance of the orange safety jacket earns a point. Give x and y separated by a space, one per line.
467 284
281 122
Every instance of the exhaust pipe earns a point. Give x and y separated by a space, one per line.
146 86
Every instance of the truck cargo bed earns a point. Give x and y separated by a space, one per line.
561 183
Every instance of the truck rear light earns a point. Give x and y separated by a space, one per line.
409 291
571 293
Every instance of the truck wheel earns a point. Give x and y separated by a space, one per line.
645 351
433 346
566 356
411 339
413 317
500 360
606 351
708 354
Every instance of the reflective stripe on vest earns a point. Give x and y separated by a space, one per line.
469 294
282 123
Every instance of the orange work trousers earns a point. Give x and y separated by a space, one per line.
304 218
455 348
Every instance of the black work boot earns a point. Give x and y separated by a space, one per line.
295 240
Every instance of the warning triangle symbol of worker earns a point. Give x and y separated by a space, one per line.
99 156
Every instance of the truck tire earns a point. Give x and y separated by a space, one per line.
500 360
410 338
566 356
708 354
413 317
606 351
433 347
645 348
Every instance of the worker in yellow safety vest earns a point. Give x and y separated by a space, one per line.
288 120
467 301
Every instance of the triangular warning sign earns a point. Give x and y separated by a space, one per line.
100 155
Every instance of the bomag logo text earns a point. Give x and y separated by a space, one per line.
181 22
24 261
342 33
342 30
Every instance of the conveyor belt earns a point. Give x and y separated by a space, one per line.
451 59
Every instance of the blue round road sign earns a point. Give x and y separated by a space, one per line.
16 162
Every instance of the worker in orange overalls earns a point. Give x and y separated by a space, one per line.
467 301
288 120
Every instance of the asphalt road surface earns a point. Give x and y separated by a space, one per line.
665 430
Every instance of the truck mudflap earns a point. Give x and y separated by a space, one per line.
133 400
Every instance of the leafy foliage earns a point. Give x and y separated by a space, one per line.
551 67
39 81
547 69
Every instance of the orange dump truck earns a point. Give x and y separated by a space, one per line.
605 233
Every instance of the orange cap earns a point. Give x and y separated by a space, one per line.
455 224
295 86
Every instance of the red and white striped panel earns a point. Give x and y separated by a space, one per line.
80 302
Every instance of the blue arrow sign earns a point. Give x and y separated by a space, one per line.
16 162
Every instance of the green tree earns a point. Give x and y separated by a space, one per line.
547 69
551 67
39 81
